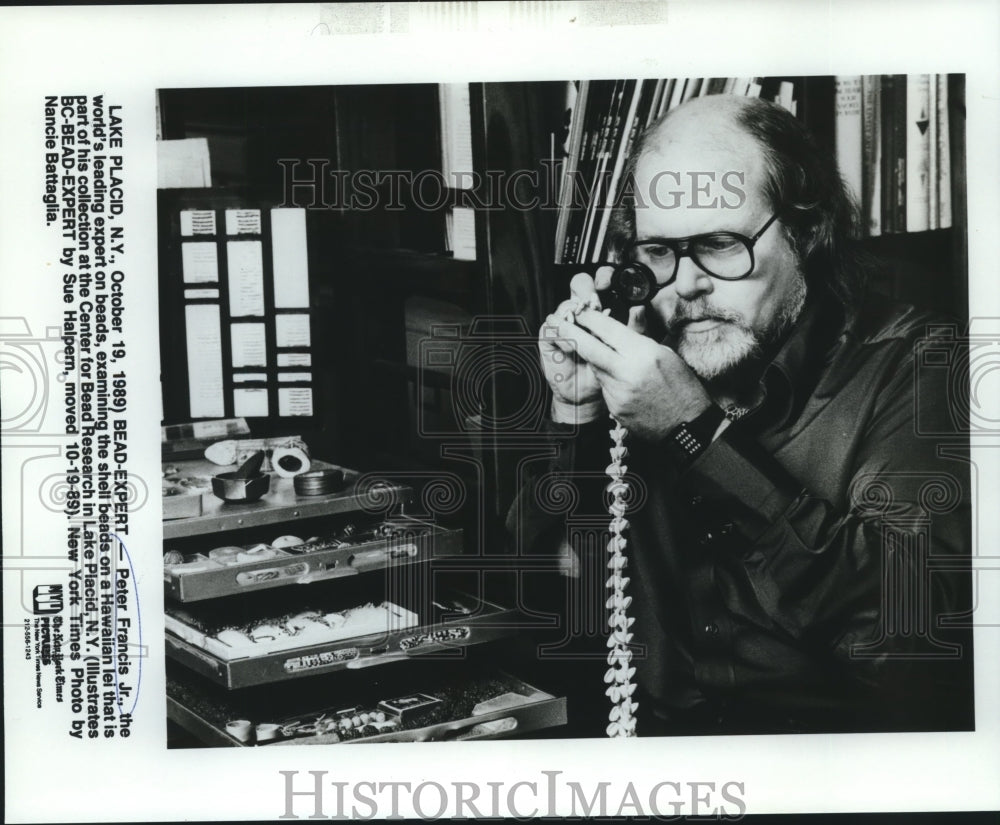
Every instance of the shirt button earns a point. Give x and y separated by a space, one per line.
695 501
707 538
727 528
712 629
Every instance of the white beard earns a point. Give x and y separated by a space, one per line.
717 351
728 346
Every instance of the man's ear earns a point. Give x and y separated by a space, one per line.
804 239
812 237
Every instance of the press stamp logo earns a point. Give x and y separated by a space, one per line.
47 599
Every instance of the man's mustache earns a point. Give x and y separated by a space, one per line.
686 312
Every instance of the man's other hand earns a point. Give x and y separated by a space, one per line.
576 394
645 385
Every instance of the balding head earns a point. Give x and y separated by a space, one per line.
697 169
714 118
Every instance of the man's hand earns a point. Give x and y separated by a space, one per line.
576 393
645 385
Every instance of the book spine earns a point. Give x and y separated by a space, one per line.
678 94
570 165
899 150
871 172
625 109
888 158
933 179
786 95
629 131
644 116
917 153
848 132
691 88
597 102
609 124
715 86
594 208
661 88
943 153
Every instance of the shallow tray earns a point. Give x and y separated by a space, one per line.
279 504
538 710
444 637
428 541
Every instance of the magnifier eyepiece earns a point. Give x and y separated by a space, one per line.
633 282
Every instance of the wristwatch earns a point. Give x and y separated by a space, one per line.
691 438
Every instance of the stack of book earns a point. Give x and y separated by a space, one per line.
605 118
894 150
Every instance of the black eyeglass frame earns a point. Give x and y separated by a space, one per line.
681 247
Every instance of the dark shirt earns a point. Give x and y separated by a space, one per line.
799 575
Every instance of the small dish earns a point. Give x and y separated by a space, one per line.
240 490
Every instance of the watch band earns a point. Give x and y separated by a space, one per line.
691 438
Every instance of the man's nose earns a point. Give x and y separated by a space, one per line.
691 281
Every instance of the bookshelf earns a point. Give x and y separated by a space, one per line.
899 141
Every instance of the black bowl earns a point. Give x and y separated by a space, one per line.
240 490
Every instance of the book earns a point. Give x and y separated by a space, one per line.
933 174
871 150
943 153
741 86
595 114
691 88
786 95
714 86
888 162
899 152
917 178
661 88
677 96
628 134
894 153
848 131
609 133
577 103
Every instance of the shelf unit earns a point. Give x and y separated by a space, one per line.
447 621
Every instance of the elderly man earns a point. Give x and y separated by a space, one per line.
784 524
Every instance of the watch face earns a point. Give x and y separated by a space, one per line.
693 437
687 441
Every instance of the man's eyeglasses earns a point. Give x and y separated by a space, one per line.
724 255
